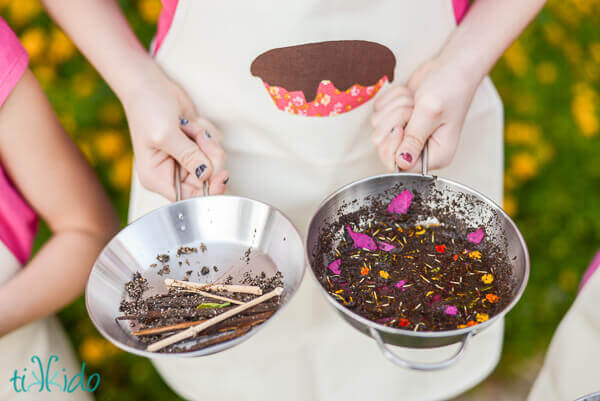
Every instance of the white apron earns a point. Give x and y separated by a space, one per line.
570 370
293 162
44 337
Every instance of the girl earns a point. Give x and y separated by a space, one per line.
41 173
293 89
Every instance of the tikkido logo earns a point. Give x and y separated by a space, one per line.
42 378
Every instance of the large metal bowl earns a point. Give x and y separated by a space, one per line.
473 208
227 225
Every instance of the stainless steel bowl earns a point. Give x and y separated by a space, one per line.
470 206
590 397
227 225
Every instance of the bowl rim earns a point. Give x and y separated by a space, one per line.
214 348
422 334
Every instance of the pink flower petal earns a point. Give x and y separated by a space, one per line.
361 240
436 298
335 266
476 236
450 310
401 203
384 246
400 283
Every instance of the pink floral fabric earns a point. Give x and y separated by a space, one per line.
329 100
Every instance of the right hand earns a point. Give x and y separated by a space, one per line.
165 129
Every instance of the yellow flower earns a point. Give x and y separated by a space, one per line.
522 133
384 274
475 255
487 278
86 149
120 173
110 144
573 50
83 84
516 58
92 350
584 108
34 41
482 317
23 11
554 33
44 73
61 48
111 113
546 72
149 10
523 166
510 205
595 51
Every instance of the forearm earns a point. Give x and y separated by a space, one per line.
485 33
102 33
53 278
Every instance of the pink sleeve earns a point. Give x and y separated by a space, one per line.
13 60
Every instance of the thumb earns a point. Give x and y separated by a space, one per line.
418 130
189 155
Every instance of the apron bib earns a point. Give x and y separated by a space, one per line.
44 337
290 148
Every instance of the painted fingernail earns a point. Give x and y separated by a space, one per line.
407 157
226 181
200 170
183 121
207 134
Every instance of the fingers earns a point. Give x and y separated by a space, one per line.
218 183
424 121
187 153
205 135
387 148
390 95
395 118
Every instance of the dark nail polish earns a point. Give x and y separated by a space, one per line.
226 181
207 134
407 157
183 121
393 131
200 170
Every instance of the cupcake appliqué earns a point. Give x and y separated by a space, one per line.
324 78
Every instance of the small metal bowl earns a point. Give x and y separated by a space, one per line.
227 225
470 206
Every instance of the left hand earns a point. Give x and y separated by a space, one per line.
431 107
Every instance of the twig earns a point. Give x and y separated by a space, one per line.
209 295
247 289
192 331
259 317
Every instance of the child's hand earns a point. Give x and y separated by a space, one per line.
166 127
431 107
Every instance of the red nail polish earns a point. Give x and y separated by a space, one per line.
407 157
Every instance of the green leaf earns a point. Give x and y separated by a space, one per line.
212 305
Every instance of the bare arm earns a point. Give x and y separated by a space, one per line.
153 103
52 175
433 104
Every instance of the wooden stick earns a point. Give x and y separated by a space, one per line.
246 289
209 295
192 331
259 317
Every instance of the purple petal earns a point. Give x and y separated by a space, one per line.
335 266
450 310
401 203
400 283
362 240
384 320
476 236
436 298
384 246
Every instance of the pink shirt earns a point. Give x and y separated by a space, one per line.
18 222
169 6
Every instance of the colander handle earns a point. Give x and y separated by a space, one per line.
418 365
424 158
177 181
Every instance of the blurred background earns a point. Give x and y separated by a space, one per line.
549 81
